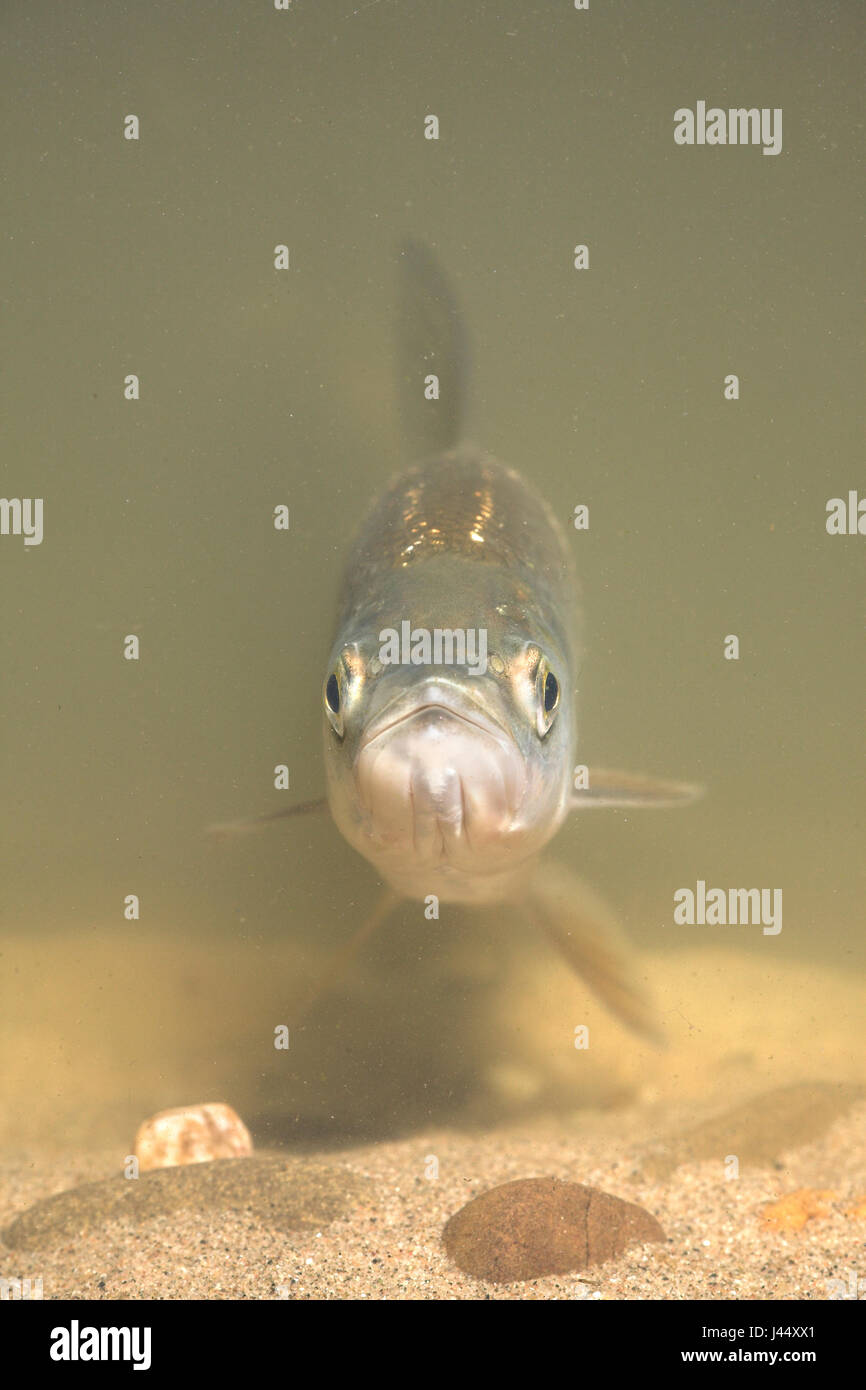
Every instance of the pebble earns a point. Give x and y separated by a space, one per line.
792 1212
277 1193
758 1131
191 1134
537 1226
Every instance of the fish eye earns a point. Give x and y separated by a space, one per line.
547 696
334 704
344 686
551 693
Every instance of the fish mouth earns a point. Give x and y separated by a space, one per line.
439 699
440 780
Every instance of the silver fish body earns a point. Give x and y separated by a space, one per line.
449 779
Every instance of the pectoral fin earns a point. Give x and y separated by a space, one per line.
231 828
610 787
584 931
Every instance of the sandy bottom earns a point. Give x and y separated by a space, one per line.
757 1098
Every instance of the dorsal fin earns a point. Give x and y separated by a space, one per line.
431 340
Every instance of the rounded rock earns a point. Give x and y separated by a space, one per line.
532 1227
191 1134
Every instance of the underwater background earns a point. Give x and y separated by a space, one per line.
261 387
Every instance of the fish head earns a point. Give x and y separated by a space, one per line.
448 778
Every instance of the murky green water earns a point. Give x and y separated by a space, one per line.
259 387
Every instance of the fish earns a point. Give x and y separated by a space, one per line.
449 695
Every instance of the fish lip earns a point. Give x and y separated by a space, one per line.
503 755
455 706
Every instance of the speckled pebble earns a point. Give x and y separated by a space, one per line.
191 1134
538 1226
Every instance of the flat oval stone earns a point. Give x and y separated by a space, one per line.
281 1194
536 1226
758 1131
